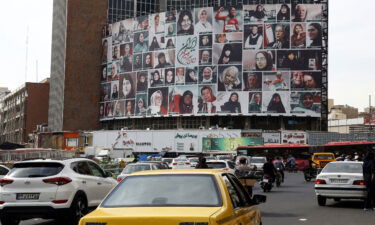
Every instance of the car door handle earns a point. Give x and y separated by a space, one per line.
99 183
83 182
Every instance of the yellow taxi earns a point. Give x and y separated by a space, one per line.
177 197
321 159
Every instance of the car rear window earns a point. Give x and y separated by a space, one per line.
343 168
165 190
134 168
167 160
323 157
216 165
257 160
21 170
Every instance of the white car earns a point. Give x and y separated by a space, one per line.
139 166
221 164
61 189
193 161
340 180
257 162
180 163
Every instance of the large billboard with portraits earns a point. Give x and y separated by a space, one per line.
259 59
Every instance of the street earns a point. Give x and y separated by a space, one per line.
295 203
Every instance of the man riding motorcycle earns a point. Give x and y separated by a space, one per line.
291 163
279 165
269 169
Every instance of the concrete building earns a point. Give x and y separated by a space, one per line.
338 112
22 110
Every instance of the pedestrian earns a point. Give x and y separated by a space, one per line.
369 177
201 163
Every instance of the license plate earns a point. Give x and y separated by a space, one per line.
338 181
265 180
27 196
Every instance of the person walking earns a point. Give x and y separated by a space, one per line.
369 177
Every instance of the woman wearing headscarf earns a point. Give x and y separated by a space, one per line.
227 55
154 44
141 44
156 104
186 103
141 107
275 105
232 105
156 81
185 23
263 61
306 104
259 14
369 177
255 103
203 25
284 13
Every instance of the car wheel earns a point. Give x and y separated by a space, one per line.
78 209
9 220
322 200
337 199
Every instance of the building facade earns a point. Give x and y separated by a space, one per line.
22 110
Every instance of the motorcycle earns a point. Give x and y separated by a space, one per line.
278 178
310 173
267 183
291 168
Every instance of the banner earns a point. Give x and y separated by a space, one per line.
228 144
293 137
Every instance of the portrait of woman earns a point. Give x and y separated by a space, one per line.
205 41
117 109
141 108
221 38
259 14
306 104
106 92
129 108
191 76
162 61
291 61
101 110
264 61
255 104
142 82
105 51
109 109
171 16
104 73
298 38
314 31
137 62
284 13
275 105
230 21
253 81
255 38
170 43
186 103
229 56
114 94
158 23
232 105
114 71
156 79
207 75
206 101
141 42
180 75
169 76
157 103
115 52
127 86
171 29
154 44
127 59
185 23
281 37
230 79
203 25
147 60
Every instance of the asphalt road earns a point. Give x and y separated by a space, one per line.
295 203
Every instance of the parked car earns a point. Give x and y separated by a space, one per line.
340 180
168 161
257 162
3 171
139 166
62 189
193 161
181 163
221 164
195 197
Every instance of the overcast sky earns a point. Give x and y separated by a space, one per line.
351 47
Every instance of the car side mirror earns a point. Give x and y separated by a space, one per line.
257 199
108 174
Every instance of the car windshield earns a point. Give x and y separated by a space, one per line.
343 168
165 190
167 160
216 165
180 159
323 157
134 168
22 170
257 160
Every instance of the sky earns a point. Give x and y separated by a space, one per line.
351 47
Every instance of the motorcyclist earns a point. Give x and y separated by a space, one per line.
242 168
269 169
291 162
279 165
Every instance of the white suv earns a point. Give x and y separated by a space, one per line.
62 189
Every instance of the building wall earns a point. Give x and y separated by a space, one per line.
36 107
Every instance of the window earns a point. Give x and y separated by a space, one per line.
236 202
3 171
241 190
72 142
81 168
96 170
35 169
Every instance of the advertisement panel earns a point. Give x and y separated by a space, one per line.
271 138
293 137
186 142
255 59
228 144
163 141
144 142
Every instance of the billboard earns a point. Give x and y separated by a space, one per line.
260 59
228 144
